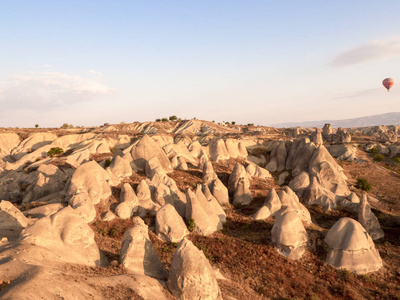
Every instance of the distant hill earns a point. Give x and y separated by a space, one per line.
382 119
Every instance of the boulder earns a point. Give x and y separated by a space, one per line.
147 148
182 165
120 167
327 131
290 202
290 236
218 150
242 193
343 152
277 157
67 236
12 220
8 141
271 205
214 203
83 206
316 137
219 191
238 172
128 202
170 226
205 220
368 220
191 275
44 210
137 252
257 171
351 248
282 177
316 194
300 182
93 179
208 172
232 146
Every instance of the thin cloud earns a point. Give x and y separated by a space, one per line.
371 51
93 72
47 66
47 90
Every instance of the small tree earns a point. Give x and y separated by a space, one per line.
158 120
37 125
164 120
363 184
233 122
66 126
173 118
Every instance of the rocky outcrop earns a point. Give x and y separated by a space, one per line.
12 220
343 152
206 221
128 202
290 236
169 224
144 150
351 248
191 275
368 220
277 157
120 167
8 141
218 150
93 179
137 252
290 202
242 193
31 143
271 205
238 172
66 236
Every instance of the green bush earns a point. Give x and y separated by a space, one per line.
173 118
158 120
107 162
233 122
374 150
250 124
55 150
363 184
164 120
378 157
396 159
190 224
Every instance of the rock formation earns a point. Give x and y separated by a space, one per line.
191 275
351 248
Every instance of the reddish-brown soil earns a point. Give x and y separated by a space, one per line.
245 256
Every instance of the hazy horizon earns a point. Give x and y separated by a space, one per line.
87 63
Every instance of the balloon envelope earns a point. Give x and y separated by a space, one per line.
388 83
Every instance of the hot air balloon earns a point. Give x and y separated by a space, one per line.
388 83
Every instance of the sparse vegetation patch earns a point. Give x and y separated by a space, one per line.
378 157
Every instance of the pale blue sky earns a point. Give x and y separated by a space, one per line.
262 62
